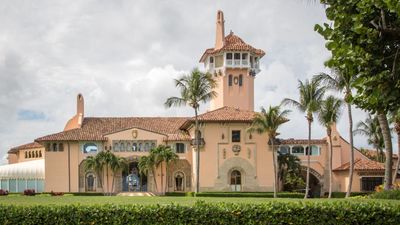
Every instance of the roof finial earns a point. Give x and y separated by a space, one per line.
220 33
231 32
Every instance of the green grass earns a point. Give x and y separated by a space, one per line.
123 200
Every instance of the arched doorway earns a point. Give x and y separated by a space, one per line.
179 181
132 180
90 182
236 180
315 183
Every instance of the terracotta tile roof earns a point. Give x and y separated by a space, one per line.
233 43
293 141
95 128
224 114
372 153
25 146
362 164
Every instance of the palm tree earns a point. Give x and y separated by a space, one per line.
342 82
371 129
194 88
168 156
395 119
117 164
95 163
269 122
146 165
163 153
311 95
328 115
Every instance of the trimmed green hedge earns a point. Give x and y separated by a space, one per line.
306 212
237 194
389 194
343 194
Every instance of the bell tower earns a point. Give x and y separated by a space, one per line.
234 65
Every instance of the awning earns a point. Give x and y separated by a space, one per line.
25 170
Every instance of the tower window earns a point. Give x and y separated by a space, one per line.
228 55
236 136
211 59
180 147
230 80
240 80
237 55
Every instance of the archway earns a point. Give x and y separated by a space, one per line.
90 182
132 180
315 183
236 180
179 181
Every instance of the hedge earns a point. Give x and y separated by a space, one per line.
273 212
238 194
343 194
386 194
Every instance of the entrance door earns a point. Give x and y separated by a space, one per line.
132 180
90 184
179 181
236 181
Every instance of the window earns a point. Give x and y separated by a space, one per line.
240 80
244 56
54 149
26 155
230 80
297 150
211 59
146 147
40 154
237 55
236 180
36 154
61 147
228 55
369 183
134 147
314 150
90 148
284 150
180 148
48 147
236 136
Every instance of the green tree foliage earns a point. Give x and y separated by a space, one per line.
364 40
195 88
311 96
268 121
290 172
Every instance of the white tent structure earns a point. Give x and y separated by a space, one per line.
25 175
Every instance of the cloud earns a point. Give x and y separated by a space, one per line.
123 56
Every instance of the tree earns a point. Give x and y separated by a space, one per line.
365 42
311 95
370 128
146 165
269 122
194 88
163 153
118 164
95 164
168 156
342 82
289 172
395 119
328 115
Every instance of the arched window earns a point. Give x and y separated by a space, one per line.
40 154
134 147
179 181
284 149
298 150
26 155
146 147
54 149
240 80
140 147
230 80
236 180
314 150
36 154
30 155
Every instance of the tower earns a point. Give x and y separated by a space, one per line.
234 65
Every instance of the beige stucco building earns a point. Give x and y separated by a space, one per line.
231 158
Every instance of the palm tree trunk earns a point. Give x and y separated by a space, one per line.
108 185
351 171
274 164
389 150
166 177
197 151
330 163
396 171
378 155
154 179
112 184
162 178
309 119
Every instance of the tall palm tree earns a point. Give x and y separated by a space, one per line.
371 129
269 122
342 82
146 166
311 95
117 164
95 164
194 88
395 119
163 154
328 115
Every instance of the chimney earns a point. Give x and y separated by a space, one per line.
220 33
80 108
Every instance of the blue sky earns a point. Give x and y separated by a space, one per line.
123 55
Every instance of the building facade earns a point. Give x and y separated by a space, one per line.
232 159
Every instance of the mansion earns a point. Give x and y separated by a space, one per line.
231 158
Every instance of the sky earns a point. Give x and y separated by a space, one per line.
123 56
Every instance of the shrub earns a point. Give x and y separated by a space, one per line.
29 192
3 192
272 212
343 194
250 194
56 193
390 194
182 194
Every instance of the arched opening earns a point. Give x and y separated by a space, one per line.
179 181
236 180
315 184
90 182
132 180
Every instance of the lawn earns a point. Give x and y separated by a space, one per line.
123 200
